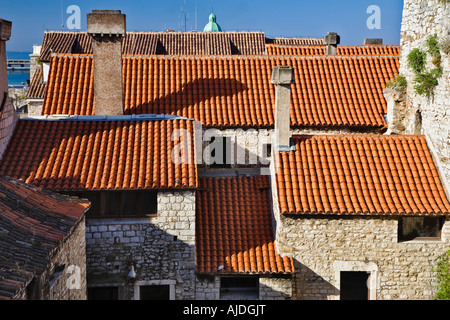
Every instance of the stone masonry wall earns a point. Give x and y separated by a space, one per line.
427 115
325 246
162 248
71 284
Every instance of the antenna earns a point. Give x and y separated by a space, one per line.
62 16
184 17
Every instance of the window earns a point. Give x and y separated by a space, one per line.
154 292
354 285
420 228
103 293
239 288
120 204
221 152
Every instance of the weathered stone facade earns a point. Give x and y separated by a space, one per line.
323 246
162 248
69 283
420 114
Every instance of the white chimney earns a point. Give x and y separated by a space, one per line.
332 39
283 78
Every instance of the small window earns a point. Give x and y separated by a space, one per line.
420 228
103 293
120 204
239 288
155 292
222 160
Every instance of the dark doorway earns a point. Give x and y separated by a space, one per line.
155 292
354 285
103 293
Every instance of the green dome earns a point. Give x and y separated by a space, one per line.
212 26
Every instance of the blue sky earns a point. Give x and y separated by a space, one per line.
289 18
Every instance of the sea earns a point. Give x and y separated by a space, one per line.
18 77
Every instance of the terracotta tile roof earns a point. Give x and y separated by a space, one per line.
32 224
233 91
295 41
161 43
37 86
358 50
234 227
98 155
353 175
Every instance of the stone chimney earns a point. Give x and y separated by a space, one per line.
8 116
282 78
373 41
107 28
332 39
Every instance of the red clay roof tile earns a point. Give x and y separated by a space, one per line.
98 155
345 50
353 174
233 92
234 227
32 223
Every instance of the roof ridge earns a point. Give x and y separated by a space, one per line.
133 117
244 57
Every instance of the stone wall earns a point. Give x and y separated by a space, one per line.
162 248
70 282
426 115
248 146
325 246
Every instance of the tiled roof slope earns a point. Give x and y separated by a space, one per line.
161 43
32 224
358 50
360 175
295 41
99 155
233 91
37 86
234 227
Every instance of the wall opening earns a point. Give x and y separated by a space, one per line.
103 293
154 292
354 285
239 288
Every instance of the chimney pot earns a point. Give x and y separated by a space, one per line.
373 41
332 39
5 30
282 75
106 22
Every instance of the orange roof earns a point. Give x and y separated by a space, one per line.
353 174
98 155
234 231
355 50
232 91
